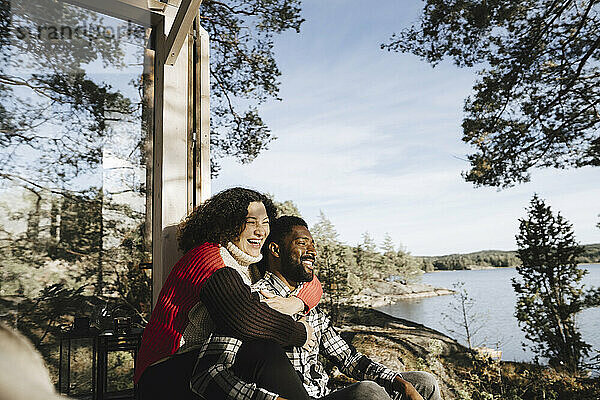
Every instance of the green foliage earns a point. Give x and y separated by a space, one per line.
389 262
590 254
41 317
244 70
491 258
385 264
460 373
549 290
79 241
345 270
398 263
431 362
120 371
79 227
482 378
287 207
479 259
534 104
130 282
369 261
334 266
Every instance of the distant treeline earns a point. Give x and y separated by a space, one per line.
492 258
591 254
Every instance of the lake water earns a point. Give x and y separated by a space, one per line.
495 302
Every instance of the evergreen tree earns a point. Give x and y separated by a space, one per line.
426 264
368 259
244 74
287 207
333 265
534 104
549 290
398 262
389 259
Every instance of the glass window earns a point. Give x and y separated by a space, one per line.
75 153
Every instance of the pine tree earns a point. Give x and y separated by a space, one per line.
549 290
390 260
369 261
334 261
398 262
287 207
534 102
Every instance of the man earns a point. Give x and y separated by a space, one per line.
289 259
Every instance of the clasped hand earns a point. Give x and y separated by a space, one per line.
291 306
285 305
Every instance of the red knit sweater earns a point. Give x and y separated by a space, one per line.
228 301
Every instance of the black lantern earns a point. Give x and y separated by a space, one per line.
77 359
99 364
116 358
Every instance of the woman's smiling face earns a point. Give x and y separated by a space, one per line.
255 230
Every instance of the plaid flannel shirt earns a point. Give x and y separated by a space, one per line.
213 369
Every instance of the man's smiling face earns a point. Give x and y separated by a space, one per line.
298 255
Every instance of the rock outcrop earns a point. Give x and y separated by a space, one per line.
399 344
381 293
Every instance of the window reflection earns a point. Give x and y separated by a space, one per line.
75 156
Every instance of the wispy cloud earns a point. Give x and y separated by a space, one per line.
373 139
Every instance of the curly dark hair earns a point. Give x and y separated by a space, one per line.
221 218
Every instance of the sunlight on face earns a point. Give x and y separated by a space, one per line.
255 231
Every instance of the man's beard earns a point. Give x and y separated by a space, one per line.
294 270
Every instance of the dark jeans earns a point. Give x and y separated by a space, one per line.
169 379
261 362
266 364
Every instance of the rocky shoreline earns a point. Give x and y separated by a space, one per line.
403 345
399 344
382 293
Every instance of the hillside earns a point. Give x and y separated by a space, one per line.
492 259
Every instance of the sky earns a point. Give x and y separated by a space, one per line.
373 140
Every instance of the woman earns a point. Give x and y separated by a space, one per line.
209 285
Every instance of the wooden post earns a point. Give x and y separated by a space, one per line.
203 189
170 156
191 122
199 160
182 22
181 120
148 81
